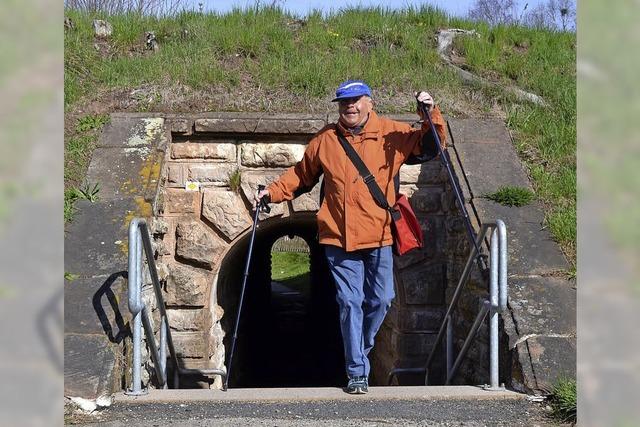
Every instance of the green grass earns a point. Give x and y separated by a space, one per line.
512 196
564 401
235 180
542 62
269 50
288 265
70 277
91 122
291 269
77 155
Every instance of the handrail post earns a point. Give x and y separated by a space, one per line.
498 293
134 279
502 278
493 317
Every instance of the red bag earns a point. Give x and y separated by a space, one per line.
407 233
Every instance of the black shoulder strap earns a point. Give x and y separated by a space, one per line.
369 179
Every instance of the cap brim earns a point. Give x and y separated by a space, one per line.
350 96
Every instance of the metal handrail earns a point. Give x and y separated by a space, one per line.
496 303
139 240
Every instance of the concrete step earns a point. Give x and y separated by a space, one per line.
311 394
327 407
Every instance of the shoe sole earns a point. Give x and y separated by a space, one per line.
358 390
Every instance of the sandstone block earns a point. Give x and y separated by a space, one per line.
257 124
190 344
308 202
455 224
423 284
226 211
409 174
175 175
162 248
186 286
448 201
271 155
218 312
216 337
413 345
427 199
290 126
416 319
408 189
158 226
186 320
193 150
434 233
181 201
181 126
430 172
195 242
249 185
211 172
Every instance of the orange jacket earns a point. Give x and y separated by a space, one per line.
349 217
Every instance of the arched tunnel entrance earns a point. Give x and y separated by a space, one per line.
287 337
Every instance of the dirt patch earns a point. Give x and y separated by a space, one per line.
458 59
522 47
251 97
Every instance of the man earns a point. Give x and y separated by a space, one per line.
355 231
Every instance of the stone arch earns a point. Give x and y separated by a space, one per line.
262 357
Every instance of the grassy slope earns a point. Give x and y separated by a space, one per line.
266 60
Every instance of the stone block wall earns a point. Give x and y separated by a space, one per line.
211 170
423 277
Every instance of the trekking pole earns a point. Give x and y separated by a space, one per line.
261 206
444 156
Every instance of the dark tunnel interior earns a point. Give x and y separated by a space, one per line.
284 339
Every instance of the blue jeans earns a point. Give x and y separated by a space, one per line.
364 283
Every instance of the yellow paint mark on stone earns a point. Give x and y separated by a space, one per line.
149 173
143 209
126 186
124 247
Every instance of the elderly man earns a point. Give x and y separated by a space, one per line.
355 231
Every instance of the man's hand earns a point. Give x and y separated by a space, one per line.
427 100
259 195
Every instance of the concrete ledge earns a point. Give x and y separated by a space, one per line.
320 394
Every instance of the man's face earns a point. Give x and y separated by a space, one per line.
354 111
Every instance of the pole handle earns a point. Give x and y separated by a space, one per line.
264 200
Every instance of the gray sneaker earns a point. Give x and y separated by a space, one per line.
358 385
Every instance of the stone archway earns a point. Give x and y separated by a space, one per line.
266 356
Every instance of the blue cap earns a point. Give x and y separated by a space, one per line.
351 89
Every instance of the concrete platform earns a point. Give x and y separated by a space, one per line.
312 394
